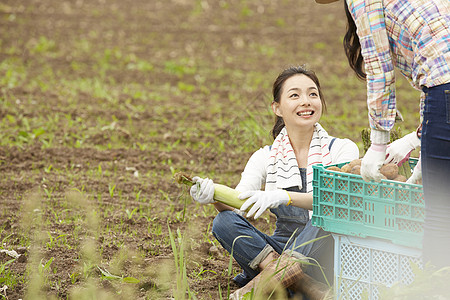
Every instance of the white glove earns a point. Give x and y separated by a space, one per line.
372 162
398 151
263 200
417 173
203 190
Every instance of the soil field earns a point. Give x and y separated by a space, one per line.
102 101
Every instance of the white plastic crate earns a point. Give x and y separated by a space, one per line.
361 265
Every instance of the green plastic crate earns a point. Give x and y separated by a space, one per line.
346 204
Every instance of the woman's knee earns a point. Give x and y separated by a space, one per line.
222 221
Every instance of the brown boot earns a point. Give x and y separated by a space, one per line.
311 288
282 272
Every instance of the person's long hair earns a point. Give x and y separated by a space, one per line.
352 46
278 89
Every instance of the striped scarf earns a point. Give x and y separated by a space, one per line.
283 170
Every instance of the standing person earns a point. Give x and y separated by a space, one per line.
285 170
414 36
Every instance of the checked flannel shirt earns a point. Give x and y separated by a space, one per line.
414 36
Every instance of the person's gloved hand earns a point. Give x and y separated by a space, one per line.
372 162
203 190
398 151
417 173
263 200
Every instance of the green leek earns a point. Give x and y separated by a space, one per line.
222 193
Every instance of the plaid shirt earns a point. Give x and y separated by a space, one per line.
414 36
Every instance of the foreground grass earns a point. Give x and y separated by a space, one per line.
101 104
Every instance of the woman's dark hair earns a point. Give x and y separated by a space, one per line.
278 89
352 46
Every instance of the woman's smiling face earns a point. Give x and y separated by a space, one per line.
300 103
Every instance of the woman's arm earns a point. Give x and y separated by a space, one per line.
221 207
379 67
303 200
252 177
343 150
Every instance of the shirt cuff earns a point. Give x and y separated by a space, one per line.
379 136
415 141
239 212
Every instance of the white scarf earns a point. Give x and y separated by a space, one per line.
283 170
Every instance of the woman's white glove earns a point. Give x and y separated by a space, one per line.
372 162
398 151
203 190
263 200
417 173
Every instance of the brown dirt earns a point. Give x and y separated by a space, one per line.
153 30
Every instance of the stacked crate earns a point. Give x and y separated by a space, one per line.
377 227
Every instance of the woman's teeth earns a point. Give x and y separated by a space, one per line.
305 113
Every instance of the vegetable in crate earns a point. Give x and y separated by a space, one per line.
219 192
334 168
355 162
400 178
356 170
390 171
346 168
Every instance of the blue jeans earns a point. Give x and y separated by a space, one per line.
249 246
435 156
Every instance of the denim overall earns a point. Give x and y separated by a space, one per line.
249 246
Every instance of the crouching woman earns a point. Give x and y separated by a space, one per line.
287 258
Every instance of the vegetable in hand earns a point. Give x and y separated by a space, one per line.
222 193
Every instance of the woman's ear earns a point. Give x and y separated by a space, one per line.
276 109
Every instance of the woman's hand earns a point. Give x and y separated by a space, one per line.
372 162
263 200
203 190
417 173
398 151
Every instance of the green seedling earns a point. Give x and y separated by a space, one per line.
48 192
74 277
5 275
130 213
165 195
43 45
111 188
106 275
180 264
48 169
199 274
57 241
138 195
4 241
99 170
26 136
44 267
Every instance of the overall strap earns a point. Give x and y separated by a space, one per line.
331 143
